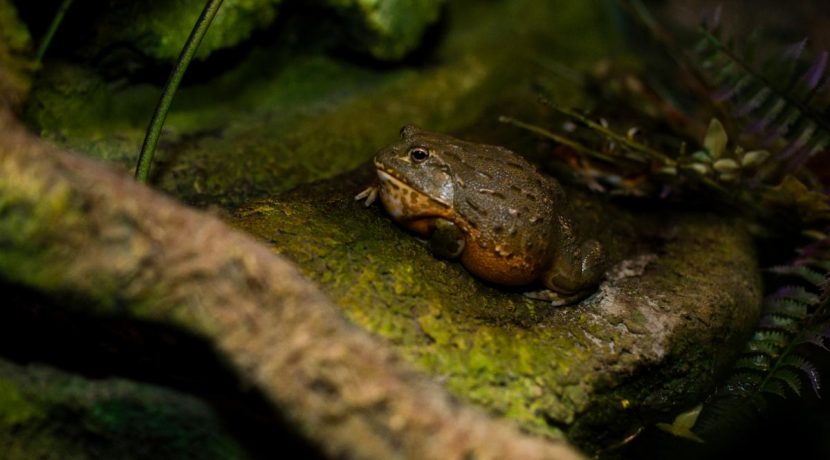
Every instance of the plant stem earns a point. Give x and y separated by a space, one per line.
148 149
53 27
557 138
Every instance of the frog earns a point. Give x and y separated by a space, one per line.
490 208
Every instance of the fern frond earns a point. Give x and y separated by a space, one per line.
807 368
797 294
788 377
776 99
817 335
801 271
793 315
786 307
779 322
778 338
754 362
775 387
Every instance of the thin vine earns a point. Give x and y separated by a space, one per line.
148 148
50 32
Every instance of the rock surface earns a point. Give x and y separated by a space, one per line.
649 343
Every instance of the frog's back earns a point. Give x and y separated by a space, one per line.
504 198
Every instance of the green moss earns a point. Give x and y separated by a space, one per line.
388 29
159 28
549 369
48 414
15 62
14 34
278 120
14 408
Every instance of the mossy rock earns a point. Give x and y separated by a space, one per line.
50 414
16 65
671 315
159 28
387 29
278 119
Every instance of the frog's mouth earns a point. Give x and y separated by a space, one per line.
403 201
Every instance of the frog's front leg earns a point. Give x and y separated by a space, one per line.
447 241
573 275
370 194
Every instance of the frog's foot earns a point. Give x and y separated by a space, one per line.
557 299
370 194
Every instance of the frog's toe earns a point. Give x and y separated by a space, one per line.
556 299
370 194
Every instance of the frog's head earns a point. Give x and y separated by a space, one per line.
416 180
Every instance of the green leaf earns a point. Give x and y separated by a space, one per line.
683 424
716 139
792 194
726 165
701 157
754 158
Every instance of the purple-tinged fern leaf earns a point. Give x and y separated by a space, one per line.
786 307
817 335
793 52
797 293
807 368
814 74
779 322
807 274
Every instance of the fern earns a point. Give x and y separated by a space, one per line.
769 119
780 100
773 361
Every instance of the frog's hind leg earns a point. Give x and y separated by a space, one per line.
573 275
447 240
557 299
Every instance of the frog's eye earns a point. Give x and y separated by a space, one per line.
418 154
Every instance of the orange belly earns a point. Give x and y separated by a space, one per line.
495 266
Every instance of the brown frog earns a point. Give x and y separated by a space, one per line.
508 223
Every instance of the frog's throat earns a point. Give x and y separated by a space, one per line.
403 201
